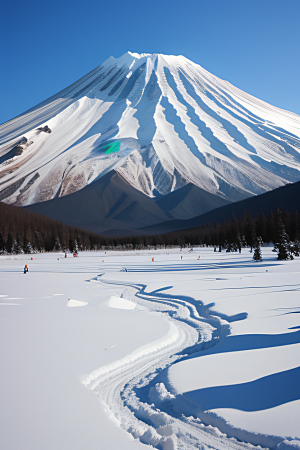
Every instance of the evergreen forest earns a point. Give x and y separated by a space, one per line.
22 231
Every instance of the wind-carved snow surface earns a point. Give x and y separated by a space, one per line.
207 357
161 122
136 389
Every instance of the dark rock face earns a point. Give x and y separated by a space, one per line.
17 150
46 129
28 185
11 189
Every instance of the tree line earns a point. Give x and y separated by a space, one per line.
282 229
23 231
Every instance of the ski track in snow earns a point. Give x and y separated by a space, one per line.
119 384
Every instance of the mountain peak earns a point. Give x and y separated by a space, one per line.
161 122
137 55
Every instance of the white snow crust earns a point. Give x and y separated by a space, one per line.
74 303
120 303
207 356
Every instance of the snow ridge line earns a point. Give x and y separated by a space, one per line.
117 383
157 345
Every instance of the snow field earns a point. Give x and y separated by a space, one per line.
120 303
207 358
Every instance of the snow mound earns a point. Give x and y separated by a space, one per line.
120 303
74 303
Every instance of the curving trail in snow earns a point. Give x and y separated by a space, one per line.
129 385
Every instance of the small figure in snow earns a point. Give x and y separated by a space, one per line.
198 257
26 267
181 256
65 254
152 258
25 271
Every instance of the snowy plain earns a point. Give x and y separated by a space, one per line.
178 353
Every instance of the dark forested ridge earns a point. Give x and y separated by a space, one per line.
112 207
284 198
24 231
235 233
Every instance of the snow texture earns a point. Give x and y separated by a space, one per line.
75 303
207 357
120 303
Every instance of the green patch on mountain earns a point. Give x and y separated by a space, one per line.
109 147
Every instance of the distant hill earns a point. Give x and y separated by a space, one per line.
25 231
283 198
112 207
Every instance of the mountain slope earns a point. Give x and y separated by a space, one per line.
111 206
164 124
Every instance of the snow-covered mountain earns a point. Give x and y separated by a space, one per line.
161 123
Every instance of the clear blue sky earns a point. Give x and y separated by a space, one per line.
47 45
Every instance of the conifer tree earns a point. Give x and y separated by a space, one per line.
229 247
239 243
257 249
57 245
9 243
2 242
71 245
27 246
282 246
295 247
16 248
